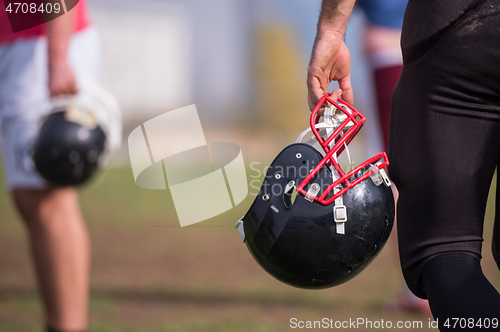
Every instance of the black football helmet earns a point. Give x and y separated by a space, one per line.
77 136
312 225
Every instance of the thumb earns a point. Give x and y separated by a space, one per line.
336 94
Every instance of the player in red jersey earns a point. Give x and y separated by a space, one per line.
36 64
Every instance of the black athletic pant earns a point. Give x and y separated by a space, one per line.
444 148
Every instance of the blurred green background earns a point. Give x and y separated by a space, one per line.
149 274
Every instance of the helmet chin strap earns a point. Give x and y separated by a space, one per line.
331 121
339 209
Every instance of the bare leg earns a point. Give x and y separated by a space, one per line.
60 248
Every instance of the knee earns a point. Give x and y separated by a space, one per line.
37 207
450 272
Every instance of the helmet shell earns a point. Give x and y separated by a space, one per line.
298 243
67 152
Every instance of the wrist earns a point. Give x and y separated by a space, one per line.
57 57
330 34
58 65
327 44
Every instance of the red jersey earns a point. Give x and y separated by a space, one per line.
6 34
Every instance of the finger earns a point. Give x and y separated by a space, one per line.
313 102
346 87
335 94
313 99
321 109
315 92
67 89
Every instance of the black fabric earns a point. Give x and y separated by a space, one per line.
425 20
457 288
445 136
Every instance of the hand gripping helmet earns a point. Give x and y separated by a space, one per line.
313 225
77 136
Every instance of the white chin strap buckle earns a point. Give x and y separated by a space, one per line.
339 213
379 176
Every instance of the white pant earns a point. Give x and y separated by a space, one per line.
24 97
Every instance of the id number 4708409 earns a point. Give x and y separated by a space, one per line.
25 8
463 323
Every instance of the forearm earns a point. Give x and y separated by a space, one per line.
334 16
59 34
61 77
330 58
331 28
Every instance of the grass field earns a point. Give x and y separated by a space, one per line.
149 274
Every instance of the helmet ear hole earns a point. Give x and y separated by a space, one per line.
289 194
